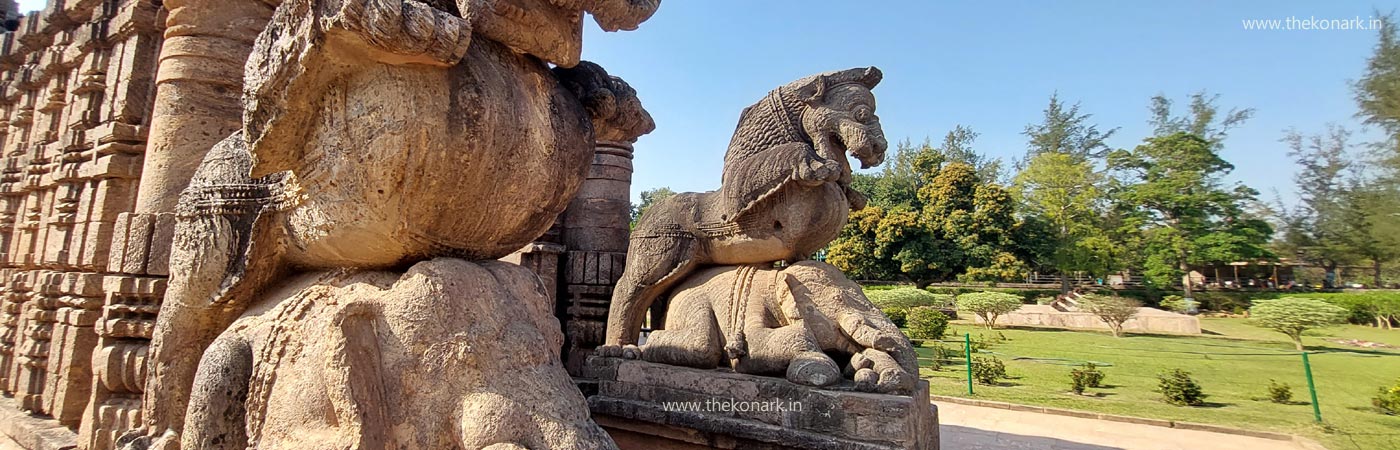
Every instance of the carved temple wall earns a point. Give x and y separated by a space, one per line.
76 85
108 107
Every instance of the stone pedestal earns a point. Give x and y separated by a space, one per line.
653 406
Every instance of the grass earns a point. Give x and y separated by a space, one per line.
1233 363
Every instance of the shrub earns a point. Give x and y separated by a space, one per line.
896 315
1387 401
907 297
989 305
941 354
1280 392
896 302
1093 375
1113 311
925 322
1178 388
1084 377
1367 308
1177 304
988 370
1294 315
1045 300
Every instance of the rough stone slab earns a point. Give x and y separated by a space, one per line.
34 432
651 394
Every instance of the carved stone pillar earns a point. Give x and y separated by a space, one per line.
594 231
198 98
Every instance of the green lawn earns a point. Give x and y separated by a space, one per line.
1233 362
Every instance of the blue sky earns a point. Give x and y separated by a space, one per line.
989 65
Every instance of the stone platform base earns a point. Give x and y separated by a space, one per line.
21 431
1147 320
653 406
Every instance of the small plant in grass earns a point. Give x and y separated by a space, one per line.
1178 388
1084 377
926 322
1294 315
940 354
989 305
1280 392
1387 401
988 370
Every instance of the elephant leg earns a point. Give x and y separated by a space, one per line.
876 371
693 341
216 417
789 350
654 264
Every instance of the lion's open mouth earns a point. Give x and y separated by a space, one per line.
864 153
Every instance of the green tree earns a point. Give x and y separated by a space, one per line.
957 148
1172 188
1378 92
1111 309
897 182
1317 228
971 223
989 305
1372 230
1378 100
1294 315
1065 131
1204 119
650 197
860 251
1062 191
954 221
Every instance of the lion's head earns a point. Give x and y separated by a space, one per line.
841 112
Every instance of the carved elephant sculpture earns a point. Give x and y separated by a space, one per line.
378 133
783 321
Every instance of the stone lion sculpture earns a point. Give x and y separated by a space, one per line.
377 133
788 320
785 193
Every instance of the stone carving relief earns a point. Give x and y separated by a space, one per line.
785 193
378 133
783 322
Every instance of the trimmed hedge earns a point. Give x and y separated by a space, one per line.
897 302
1360 305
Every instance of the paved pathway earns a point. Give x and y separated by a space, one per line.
966 427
